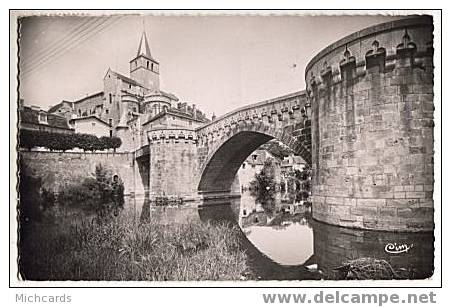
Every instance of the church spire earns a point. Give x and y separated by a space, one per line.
144 69
144 50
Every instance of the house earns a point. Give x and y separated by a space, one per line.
91 125
34 118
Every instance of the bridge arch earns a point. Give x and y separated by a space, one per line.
238 141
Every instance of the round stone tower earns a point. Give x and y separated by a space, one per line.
372 128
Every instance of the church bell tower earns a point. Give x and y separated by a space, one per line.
143 68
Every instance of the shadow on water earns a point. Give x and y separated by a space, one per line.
329 251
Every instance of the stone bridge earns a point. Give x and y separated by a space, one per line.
368 136
204 162
225 144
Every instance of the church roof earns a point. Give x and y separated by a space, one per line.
127 79
88 97
163 93
141 50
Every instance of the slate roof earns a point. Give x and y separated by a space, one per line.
29 116
176 112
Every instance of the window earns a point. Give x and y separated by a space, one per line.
111 133
129 86
110 121
147 64
107 111
151 66
244 165
254 157
42 117
93 124
111 98
134 109
79 112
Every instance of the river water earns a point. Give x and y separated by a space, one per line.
283 242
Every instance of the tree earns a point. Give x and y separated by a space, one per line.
59 141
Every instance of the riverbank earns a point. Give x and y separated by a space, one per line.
122 249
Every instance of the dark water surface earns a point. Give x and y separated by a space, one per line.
283 242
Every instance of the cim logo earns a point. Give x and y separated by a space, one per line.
395 248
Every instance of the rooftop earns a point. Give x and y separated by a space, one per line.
89 117
28 115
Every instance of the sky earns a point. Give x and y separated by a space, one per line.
219 63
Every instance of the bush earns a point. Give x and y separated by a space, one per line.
100 192
58 141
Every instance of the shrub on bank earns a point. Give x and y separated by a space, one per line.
103 189
59 141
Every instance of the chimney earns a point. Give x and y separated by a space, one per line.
194 111
213 117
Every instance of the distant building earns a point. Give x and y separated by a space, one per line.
254 164
33 118
292 162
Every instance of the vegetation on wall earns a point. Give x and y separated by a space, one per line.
99 193
297 184
58 141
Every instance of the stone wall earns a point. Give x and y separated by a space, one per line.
60 169
372 128
173 163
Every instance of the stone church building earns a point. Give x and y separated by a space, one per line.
130 105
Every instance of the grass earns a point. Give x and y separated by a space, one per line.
121 249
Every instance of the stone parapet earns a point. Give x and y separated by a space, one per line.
158 135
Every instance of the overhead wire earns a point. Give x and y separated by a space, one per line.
104 24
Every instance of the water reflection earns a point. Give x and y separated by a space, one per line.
283 242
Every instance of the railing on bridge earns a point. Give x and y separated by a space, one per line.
279 105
